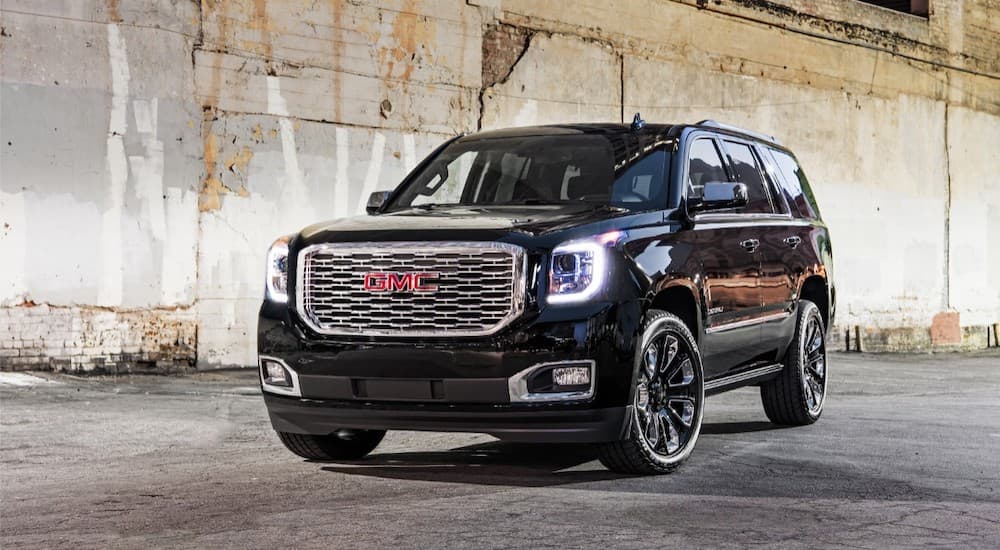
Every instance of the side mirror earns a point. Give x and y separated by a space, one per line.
376 200
722 194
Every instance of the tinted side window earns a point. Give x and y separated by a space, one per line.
641 185
779 198
748 172
705 165
796 184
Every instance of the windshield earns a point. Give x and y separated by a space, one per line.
526 170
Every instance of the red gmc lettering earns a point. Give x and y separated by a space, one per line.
399 282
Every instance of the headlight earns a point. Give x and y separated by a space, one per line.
579 268
277 270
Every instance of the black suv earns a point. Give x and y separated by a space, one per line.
566 283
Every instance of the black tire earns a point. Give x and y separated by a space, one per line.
659 402
796 396
340 445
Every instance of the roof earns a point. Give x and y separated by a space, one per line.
605 128
595 128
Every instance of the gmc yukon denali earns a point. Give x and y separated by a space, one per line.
566 283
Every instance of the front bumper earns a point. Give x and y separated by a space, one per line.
527 424
457 384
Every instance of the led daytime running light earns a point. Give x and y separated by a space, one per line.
276 281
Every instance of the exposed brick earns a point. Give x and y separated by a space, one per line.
503 45
84 339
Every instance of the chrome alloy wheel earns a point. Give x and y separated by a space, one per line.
814 365
668 397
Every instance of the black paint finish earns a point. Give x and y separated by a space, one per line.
744 298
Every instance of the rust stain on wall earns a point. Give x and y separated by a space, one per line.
412 36
211 99
213 188
338 44
114 15
259 20
240 159
210 197
238 164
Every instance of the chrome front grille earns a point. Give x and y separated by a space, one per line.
479 288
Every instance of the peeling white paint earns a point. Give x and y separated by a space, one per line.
147 169
374 170
294 187
292 173
341 181
118 59
409 153
111 283
276 104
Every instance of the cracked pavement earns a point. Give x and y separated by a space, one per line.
907 455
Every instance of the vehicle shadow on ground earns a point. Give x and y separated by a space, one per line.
510 464
493 463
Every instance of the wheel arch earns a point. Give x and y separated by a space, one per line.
681 300
814 288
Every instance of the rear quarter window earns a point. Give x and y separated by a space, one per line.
795 184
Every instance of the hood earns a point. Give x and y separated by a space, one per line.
460 223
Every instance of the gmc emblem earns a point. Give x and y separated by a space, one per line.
401 282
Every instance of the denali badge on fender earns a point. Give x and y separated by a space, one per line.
576 283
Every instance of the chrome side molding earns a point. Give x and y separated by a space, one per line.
743 376
748 322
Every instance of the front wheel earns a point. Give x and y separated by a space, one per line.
796 396
667 401
339 445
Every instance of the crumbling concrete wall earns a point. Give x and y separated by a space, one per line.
101 144
152 149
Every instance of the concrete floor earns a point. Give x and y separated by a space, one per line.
907 454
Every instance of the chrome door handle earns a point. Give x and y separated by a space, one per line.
750 245
792 241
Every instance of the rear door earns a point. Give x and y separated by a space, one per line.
783 257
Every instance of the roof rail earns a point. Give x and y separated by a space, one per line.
715 124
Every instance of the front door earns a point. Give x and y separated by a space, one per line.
731 266
727 244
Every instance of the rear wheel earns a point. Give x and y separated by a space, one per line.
667 404
340 445
797 395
